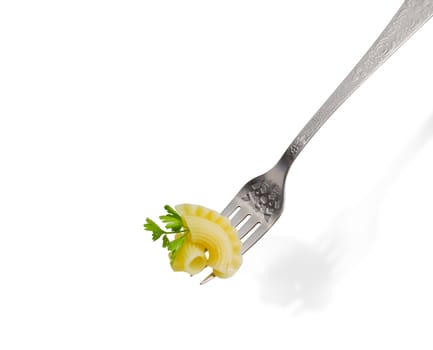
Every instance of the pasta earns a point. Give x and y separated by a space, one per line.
211 241
191 258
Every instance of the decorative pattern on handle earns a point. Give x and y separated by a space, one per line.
265 197
409 18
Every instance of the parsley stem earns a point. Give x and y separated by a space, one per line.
181 231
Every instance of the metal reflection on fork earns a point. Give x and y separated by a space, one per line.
259 203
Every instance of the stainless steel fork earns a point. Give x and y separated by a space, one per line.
259 203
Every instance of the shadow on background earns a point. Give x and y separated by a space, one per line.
302 276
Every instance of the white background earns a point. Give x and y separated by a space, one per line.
111 109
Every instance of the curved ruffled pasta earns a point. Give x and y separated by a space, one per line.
214 233
190 258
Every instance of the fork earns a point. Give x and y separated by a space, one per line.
259 203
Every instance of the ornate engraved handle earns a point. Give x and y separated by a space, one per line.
408 19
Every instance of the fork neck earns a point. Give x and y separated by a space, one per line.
280 170
286 161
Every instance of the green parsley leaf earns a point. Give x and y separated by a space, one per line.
172 212
171 222
154 228
174 225
165 241
175 245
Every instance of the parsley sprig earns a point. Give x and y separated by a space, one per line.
173 225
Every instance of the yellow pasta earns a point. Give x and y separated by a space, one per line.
191 258
211 241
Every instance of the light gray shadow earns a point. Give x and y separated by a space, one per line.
303 276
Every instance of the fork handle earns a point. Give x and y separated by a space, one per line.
408 19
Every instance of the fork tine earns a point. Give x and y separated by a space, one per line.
253 239
256 235
247 227
230 208
208 278
239 216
